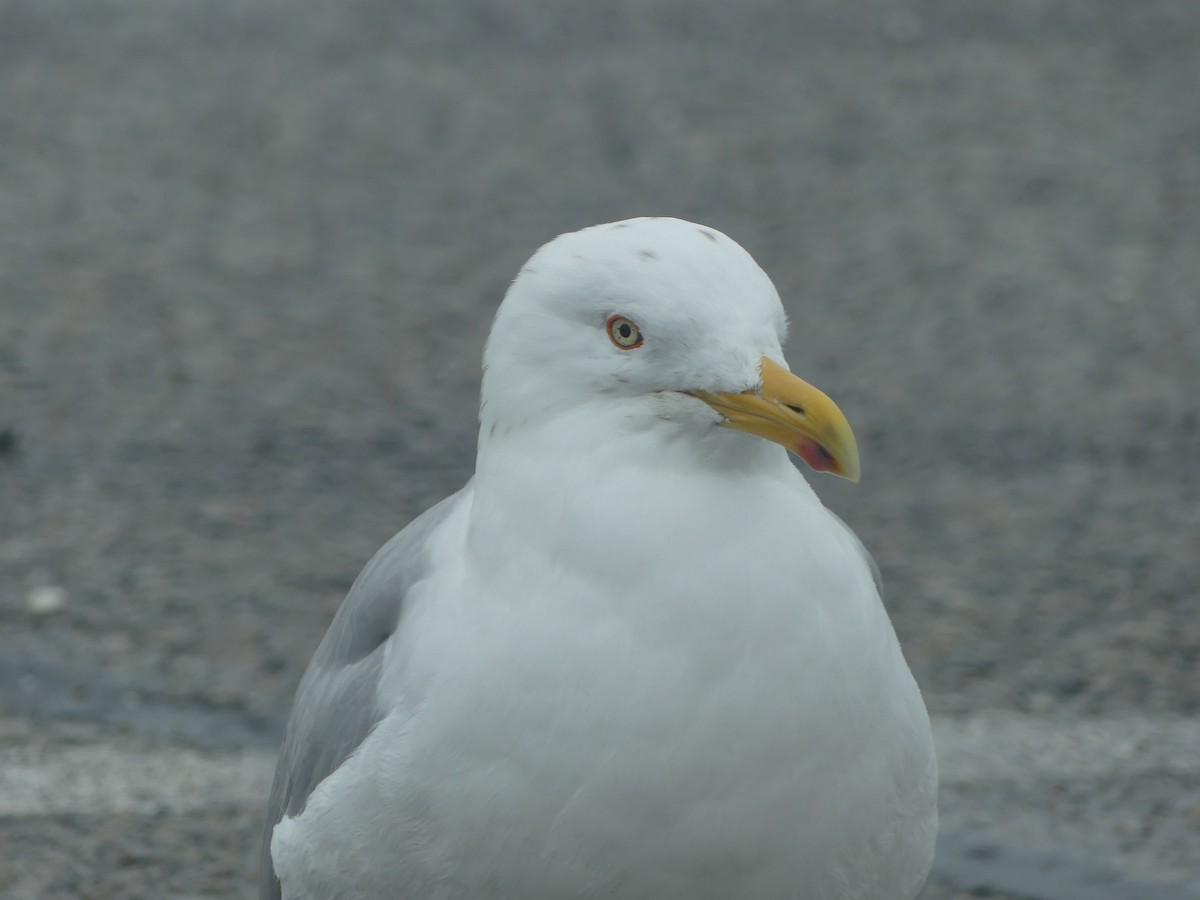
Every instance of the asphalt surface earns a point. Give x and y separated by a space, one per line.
249 253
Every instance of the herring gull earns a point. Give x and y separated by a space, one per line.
634 657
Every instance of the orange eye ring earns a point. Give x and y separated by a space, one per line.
624 333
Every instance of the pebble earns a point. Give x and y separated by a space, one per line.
46 600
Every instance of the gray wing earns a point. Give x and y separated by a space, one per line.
335 704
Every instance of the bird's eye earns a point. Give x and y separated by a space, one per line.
623 332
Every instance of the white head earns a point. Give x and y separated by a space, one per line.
659 319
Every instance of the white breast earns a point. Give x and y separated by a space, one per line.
720 712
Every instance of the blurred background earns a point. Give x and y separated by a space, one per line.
249 254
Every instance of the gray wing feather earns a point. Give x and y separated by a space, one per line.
335 706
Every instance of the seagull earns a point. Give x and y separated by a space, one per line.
635 656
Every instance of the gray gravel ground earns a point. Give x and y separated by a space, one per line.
249 252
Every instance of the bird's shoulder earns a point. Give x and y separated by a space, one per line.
336 702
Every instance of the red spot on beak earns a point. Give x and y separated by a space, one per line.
817 457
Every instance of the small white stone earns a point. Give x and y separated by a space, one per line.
46 600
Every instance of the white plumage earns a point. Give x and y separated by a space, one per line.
635 657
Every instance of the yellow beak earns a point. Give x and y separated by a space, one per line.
793 413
